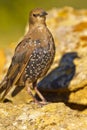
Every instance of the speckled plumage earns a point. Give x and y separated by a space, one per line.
39 60
33 56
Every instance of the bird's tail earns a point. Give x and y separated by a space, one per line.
4 87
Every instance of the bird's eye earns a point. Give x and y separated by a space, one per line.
35 15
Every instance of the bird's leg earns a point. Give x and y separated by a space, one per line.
30 92
39 94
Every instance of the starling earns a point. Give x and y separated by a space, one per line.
32 58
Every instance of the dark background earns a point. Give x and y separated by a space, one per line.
14 15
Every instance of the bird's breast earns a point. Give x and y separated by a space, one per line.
39 63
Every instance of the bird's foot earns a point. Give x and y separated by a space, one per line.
39 103
43 102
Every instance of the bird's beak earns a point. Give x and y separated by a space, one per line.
43 14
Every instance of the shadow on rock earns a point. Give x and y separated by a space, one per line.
61 76
55 86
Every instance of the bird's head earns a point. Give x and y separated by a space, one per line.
37 16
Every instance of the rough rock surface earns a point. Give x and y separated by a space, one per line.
54 116
65 85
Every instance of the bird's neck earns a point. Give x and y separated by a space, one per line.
37 27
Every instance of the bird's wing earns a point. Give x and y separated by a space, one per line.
20 60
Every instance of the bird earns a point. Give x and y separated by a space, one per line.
32 57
